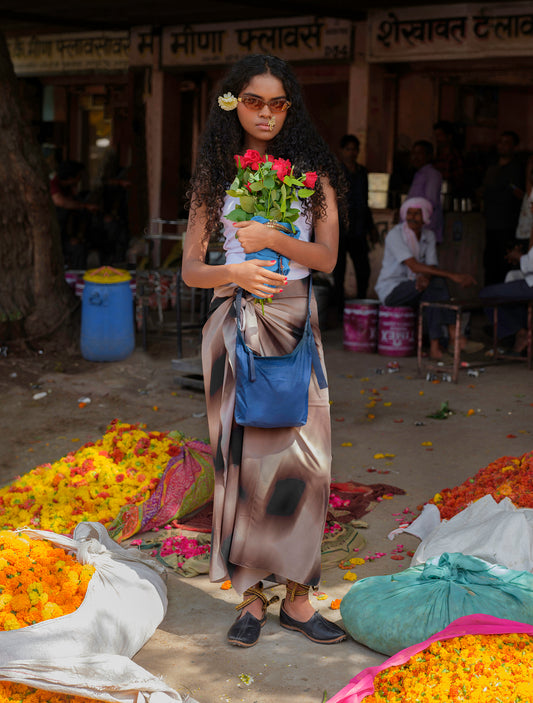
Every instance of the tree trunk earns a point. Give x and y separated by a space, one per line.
35 301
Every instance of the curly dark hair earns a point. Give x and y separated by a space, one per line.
223 137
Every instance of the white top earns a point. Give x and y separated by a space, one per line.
526 267
234 251
393 270
525 221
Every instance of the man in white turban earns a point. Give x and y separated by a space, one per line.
410 272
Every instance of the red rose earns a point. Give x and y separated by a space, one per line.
252 158
282 167
310 179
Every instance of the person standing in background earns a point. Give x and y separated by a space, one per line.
448 161
353 232
503 191
427 184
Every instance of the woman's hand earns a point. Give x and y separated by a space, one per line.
255 278
253 236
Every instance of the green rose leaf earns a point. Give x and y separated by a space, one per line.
238 215
305 192
247 203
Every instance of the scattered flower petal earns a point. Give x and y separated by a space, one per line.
350 576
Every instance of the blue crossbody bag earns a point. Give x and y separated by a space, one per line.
273 391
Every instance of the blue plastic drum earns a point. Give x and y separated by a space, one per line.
107 319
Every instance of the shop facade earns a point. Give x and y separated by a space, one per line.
472 66
145 93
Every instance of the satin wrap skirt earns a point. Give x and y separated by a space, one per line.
271 485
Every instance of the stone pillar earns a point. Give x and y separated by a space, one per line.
371 106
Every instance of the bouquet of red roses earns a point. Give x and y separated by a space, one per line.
267 188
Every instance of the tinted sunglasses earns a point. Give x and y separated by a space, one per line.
256 104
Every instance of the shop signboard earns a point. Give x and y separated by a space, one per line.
40 55
144 46
296 39
455 31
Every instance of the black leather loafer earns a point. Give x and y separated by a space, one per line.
245 630
317 628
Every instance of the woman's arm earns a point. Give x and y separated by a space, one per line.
320 255
250 275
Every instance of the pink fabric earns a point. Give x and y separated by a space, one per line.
362 685
422 203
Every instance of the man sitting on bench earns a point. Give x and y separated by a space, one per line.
518 286
410 273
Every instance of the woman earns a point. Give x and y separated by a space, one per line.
271 485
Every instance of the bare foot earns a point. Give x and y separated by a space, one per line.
462 341
255 608
520 341
435 351
299 609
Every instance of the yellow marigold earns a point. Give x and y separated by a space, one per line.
5 598
476 668
10 622
51 610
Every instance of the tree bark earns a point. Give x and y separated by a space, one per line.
35 301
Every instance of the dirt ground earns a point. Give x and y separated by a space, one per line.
189 646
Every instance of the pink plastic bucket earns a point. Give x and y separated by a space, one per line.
360 325
396 331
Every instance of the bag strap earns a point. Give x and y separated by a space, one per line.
319 371
315 358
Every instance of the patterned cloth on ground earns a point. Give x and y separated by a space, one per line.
186 485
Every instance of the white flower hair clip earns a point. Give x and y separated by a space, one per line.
227 102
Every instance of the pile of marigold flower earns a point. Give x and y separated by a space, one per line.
19 693
37 581
91 484
508 477
477 668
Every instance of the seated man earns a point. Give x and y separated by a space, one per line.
518 286
410 272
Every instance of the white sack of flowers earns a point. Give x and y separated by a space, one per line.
499 533
86 652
